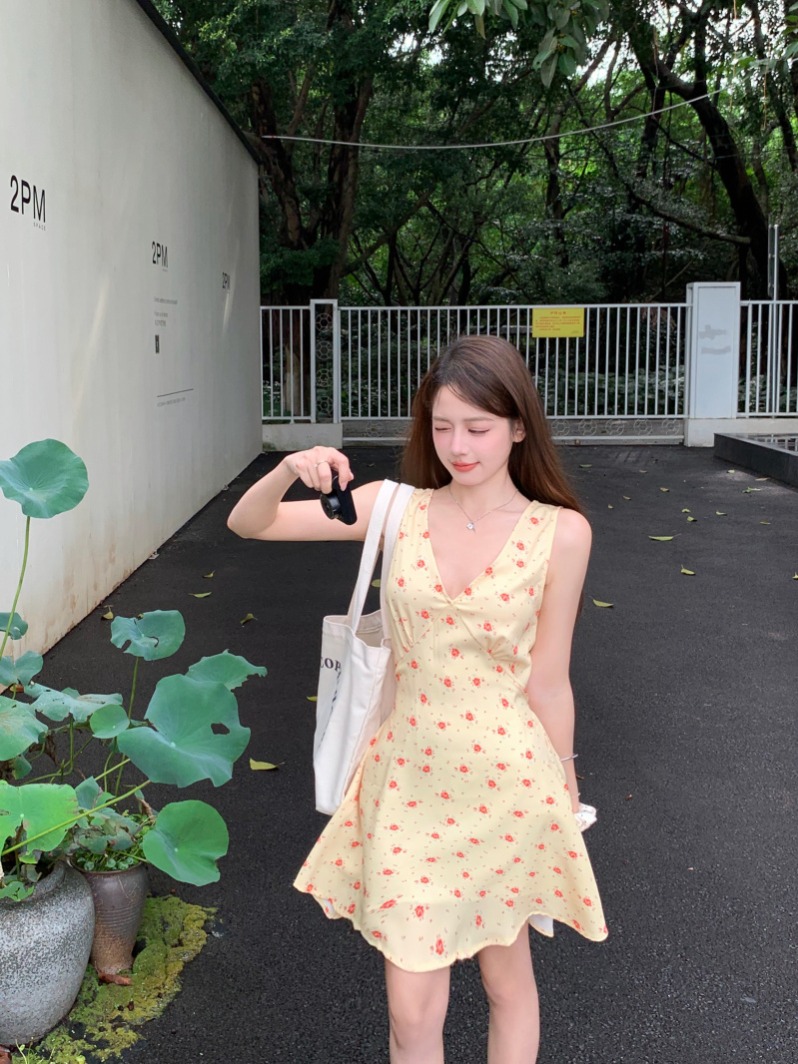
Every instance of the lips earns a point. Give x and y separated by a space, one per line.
463 467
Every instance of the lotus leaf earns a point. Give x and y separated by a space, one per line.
46 478
152 636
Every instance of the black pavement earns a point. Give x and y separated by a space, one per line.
687 696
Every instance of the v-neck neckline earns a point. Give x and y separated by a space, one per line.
482 572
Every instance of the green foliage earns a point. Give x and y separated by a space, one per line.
190 731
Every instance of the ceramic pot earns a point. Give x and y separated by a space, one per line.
44 948
118 904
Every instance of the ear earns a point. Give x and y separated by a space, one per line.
519 433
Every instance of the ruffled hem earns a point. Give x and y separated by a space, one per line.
538 920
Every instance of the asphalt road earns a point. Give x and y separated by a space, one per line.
687 691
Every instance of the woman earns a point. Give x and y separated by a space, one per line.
458 829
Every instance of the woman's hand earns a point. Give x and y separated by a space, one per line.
315 467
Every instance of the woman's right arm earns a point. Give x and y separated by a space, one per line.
260 513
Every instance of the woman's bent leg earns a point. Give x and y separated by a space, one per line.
514 1031
417 1003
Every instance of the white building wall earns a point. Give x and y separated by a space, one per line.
129 154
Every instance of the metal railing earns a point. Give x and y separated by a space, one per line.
769 342
365 363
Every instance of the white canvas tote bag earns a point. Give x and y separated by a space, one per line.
356 677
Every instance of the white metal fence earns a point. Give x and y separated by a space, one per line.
769 335
362 365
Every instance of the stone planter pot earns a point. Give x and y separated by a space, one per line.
44 949
118 903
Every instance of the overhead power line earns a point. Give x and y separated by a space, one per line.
488 143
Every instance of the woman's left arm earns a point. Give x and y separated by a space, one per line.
549 689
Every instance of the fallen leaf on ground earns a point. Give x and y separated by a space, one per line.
249 617
749 490
731 470
661 539
312 698
764 522
763 478
610 506
604 605
720 513
261 766
107 616
795 577
153 556
200 594
376 583
687 572
628 498
209 576
664 489
685 510
588 466
692 518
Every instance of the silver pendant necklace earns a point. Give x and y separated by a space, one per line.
471 523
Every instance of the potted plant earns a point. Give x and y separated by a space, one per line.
75 768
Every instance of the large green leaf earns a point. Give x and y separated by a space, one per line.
22 670
187 840
40 807
58 705
182 746
152 636
109 721
19 728
18 626
46 478
229 669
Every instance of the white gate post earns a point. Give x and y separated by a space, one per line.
712 361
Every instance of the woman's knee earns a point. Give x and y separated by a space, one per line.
417 1003
507 974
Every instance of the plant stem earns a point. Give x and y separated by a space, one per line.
72 820
7 632
118 783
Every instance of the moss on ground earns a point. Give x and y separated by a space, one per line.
105 1019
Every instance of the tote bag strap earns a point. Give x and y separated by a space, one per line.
395 513
370 549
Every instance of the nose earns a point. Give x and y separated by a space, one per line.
459 442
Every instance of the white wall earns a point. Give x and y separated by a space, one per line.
100 113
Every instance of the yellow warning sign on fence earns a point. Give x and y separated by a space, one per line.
558 321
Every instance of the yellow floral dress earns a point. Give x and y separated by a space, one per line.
457 828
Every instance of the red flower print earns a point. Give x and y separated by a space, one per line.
419 911
509 838
528 755
531 592
501 766
509 903
439 588
587 902
488 627
474 842
499 668
423 698
394 827
520 545
460 854
401 581
499 871
501 731
348 824
351 909
354 844
356 885
420 564
393 785
477 748
466 875
504 596
527 783
483 893
572 853
516 860
515 890
422 506
388 904
577 925
518 812
439 947
412 804
425 768
397 849
555 827
541 846
425 535
521 564
450 820
339 862
425 614
389 736
377 934
444 794
372 741
491 783
435 835
412 721
478 920
441 724
387 871
449 620
428 751
483 809
505 703
534 521
538 901
414 664
400 761
557 870
376 757
464 768
455 652
489 571
558 893
467 591
447 682
469 716
425 879
458 894
476 681
309 888
549 800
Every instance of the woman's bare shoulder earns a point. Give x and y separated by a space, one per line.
572 534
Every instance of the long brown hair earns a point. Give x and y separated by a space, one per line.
490 374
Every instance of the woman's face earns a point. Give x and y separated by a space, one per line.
472 444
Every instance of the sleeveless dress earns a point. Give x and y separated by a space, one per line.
457 827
